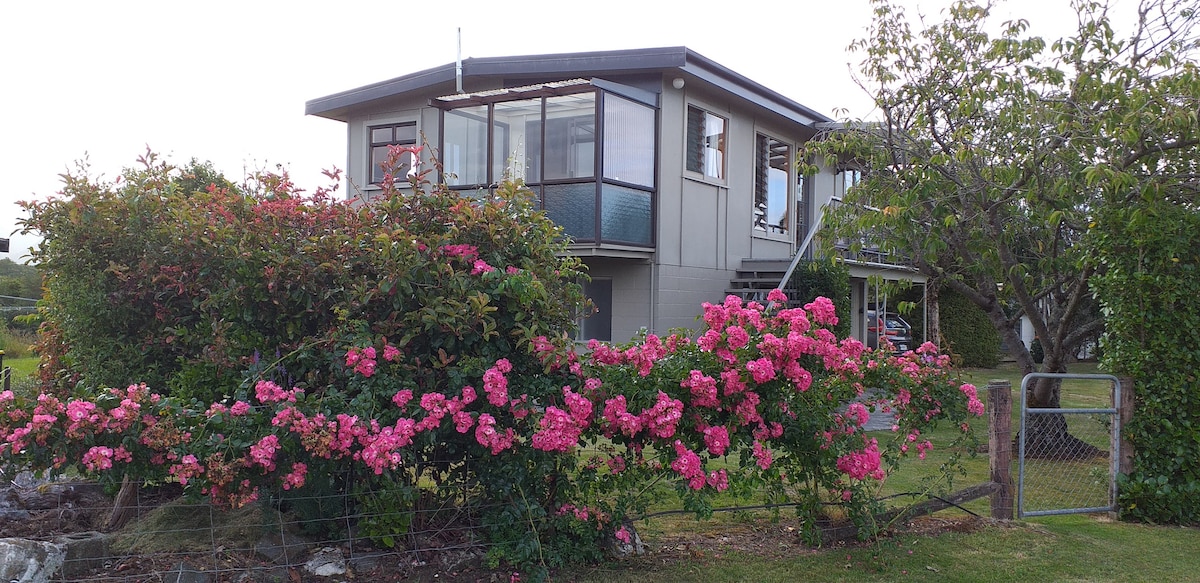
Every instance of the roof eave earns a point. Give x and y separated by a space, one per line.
725 78
339 105
336 105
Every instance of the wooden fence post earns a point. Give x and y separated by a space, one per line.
1125 411
999 414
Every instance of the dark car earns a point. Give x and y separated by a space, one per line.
895 330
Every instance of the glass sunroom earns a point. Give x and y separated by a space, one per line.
588 148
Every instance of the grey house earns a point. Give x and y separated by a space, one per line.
673 175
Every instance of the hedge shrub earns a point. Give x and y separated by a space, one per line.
830 279
969 335
1150 254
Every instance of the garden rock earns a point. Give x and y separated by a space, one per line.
183 573
326 562
27 561
84 552
634 547
282 548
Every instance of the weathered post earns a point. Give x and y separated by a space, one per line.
1125 412
999 414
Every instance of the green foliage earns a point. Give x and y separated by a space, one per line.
1151 252
1035 351
996 148
157 279
830 279
16 343
910 304
970 335
19 280
179 279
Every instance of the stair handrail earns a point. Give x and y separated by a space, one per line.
787 275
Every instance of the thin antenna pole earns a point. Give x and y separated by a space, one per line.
458 64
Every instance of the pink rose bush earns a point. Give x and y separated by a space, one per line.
771 391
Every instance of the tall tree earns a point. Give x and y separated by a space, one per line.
995 150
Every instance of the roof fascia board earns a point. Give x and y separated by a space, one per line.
383 89
725 78
575 64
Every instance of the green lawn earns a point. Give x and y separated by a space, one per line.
22 368
1065 548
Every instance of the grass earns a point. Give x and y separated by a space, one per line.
17 343
1065 548
22 368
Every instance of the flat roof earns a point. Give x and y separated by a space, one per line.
339 106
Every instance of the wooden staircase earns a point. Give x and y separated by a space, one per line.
755 278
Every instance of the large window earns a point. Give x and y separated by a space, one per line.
400 134
590 155
628 141
772 176
464 155
705 143
517 139
570 137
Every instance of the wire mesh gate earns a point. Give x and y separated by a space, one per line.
1068 458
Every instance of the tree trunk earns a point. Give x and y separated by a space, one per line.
1047 435
124 506
932 311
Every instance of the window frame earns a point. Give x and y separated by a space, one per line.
369 126
773 231
546 184
703 173
803 203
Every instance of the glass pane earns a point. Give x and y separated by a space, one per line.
573 207
625 215
516 138
381 135
705 143
772 162
464 155
695 140
406 133
714 146
570 136
629 151
379 155
801 209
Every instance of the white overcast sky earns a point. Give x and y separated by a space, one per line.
226 81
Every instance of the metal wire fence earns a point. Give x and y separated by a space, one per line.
369 536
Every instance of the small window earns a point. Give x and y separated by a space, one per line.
802 212
705 143
400 134
772 161
844 180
